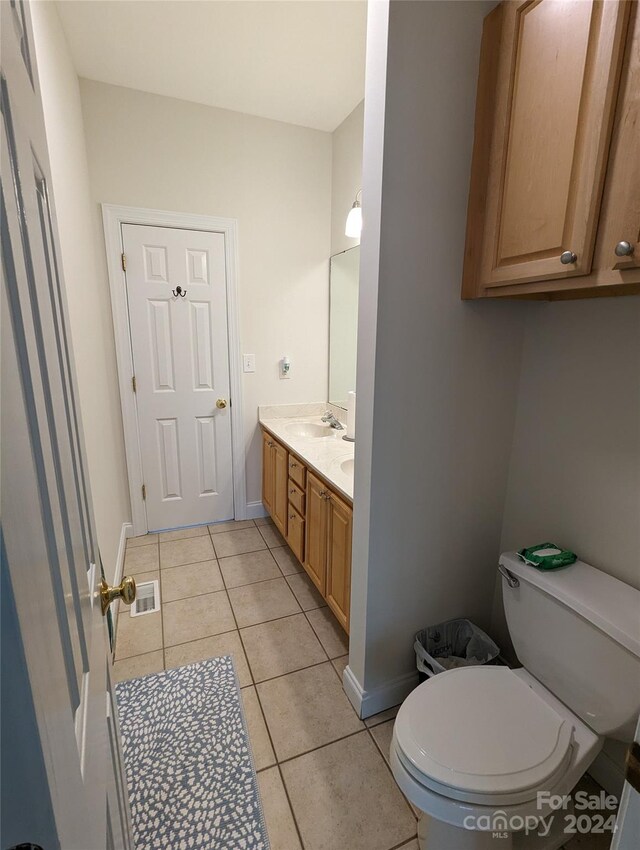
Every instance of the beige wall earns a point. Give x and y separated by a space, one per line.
89 315
574 475
437 377
346 175
156 152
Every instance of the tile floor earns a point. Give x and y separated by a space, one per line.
236 589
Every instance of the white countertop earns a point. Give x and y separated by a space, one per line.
324 455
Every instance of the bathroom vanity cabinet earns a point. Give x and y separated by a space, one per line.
554 204
315 521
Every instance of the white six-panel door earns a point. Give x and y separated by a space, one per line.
176 291
50 563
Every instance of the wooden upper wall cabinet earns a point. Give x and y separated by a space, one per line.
556 77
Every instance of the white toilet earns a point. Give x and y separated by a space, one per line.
473 747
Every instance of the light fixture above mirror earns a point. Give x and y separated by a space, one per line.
353 227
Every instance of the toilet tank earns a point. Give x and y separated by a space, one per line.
577 630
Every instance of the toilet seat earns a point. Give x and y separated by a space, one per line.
482 735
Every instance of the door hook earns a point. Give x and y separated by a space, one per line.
179 291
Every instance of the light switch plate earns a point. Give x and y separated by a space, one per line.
248 363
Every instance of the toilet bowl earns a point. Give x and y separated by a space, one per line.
486 753
501 741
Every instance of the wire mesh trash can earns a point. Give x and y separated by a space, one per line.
454 643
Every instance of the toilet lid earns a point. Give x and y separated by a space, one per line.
482 730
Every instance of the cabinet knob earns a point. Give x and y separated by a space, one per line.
292 516
292 464
568 257
624 249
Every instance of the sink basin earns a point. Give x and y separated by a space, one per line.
347 466
308 429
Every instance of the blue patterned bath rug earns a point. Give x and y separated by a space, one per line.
190 772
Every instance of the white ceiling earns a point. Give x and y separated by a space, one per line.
300 61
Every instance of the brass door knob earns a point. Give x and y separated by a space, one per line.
126 590
221 403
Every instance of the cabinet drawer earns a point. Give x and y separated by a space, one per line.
296 497
297 471
295 533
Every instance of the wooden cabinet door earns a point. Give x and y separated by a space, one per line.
554 92
339 531
267 471
315 557
620 214
295 533
280 478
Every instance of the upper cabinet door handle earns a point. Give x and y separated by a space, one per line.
567 258
624 249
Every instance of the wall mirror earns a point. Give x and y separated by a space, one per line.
343 324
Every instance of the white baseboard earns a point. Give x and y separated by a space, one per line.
368 703
255 510
608 773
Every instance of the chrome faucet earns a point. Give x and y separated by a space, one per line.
333 422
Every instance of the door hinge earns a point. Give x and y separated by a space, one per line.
134 385
124 262
144 492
